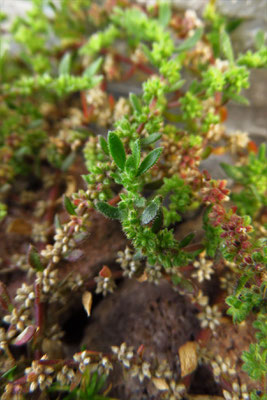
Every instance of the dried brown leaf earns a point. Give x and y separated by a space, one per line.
19 226
25 336
160 383
188 358
105 272
87 300
142 278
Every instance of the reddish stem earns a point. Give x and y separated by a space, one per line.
127 60
129 73
84 106
115 200
53 195
140 127
174 104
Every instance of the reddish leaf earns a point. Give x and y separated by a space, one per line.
105 272
5 300
223 114
19 226
252 147
188 358
25 336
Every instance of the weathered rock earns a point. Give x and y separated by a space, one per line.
142 313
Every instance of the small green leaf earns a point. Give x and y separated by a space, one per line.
206 152
176 279
64 65
150 212
108 210
259 39
116 150
147 53
226 46
164 13
158 221
232 24
242 281
176 86
149 161
69 206
186 240
103 145
150 139
9 374
191 41
135 102
232 171
93 67
68 161
238 98
34 259
95 80
133 160
57 222
262 152
130 165
136 153
206 219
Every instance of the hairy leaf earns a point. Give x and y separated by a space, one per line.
116 150
103 145
135 102
150 212
150 139
108 210
149 161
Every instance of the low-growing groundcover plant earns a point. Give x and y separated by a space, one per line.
144 170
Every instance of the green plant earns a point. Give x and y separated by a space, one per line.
145 173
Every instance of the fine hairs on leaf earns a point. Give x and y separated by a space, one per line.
149 161
116 150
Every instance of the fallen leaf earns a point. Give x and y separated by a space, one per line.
142 278
105 272
87 300
188 358
19 226
160 383
25 336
